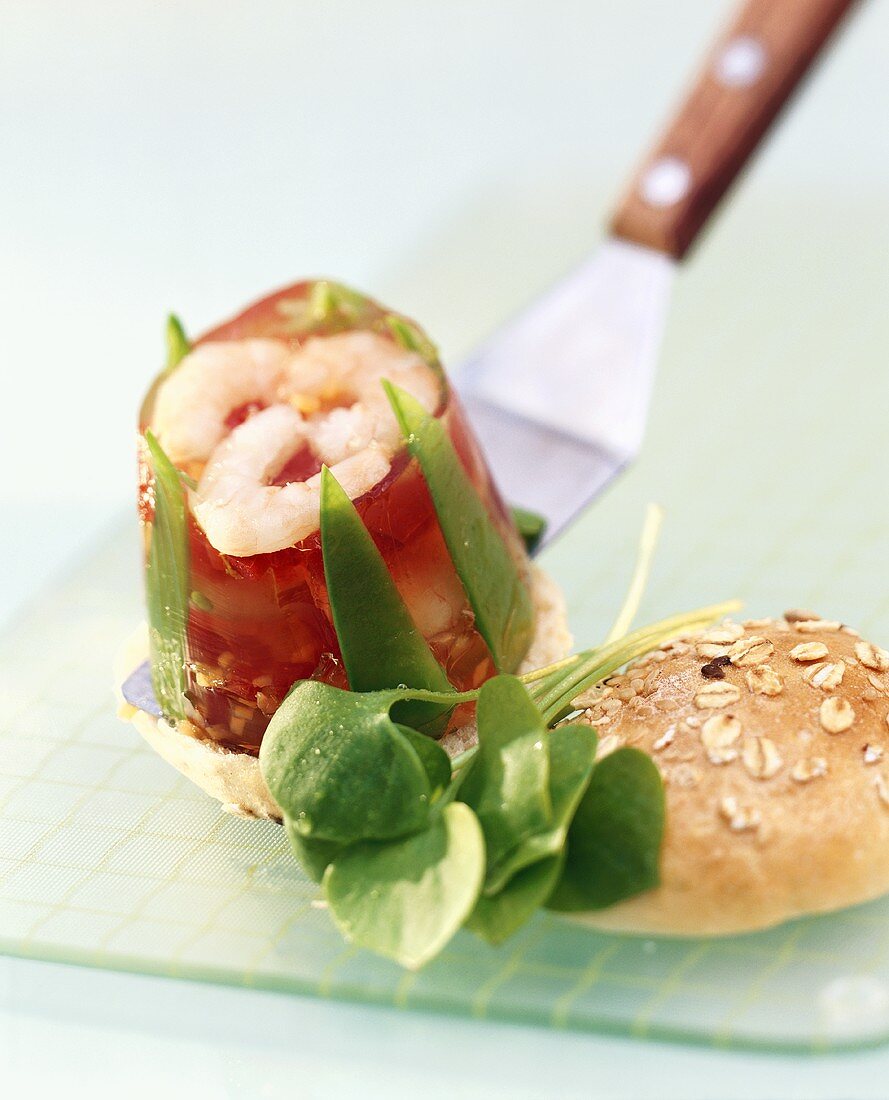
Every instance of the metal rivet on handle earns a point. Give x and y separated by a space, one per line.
666 182
741 63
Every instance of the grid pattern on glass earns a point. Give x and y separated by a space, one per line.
109 858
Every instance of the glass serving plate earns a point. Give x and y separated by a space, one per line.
767 448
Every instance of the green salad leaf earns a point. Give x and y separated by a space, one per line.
435 761
497 594
341 769
178 345
501 915
572 755
379 641
412 338
314 855
331 302
525 859
531 527
328 305
526 781
406 898
508 786
615 839
167 583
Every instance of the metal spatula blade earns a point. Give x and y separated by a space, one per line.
560 396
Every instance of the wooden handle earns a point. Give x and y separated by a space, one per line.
748 78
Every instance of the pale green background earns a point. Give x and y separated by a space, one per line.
452 157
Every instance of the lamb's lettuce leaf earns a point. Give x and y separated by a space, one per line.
406 898
615 838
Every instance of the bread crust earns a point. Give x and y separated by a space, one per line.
234 778
769 814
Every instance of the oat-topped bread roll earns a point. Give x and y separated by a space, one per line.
772 740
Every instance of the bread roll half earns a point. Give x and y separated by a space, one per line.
773 744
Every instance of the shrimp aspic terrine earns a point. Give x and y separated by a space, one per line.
260 446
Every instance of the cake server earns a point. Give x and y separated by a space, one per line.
559 397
